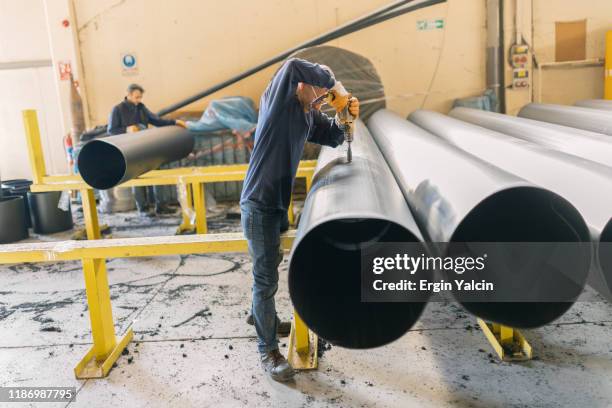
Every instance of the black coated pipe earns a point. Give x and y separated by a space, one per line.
376 17
350 207
585 183
107 162
457 198
594 120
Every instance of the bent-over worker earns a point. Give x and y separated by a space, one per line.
287 120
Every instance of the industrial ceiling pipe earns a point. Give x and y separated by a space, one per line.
458 198
602 104
586 184
577 142
593 120
107 162
383 14
350 207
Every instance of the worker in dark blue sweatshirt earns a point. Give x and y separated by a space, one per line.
287 120
131 115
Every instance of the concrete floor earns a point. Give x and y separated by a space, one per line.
193 349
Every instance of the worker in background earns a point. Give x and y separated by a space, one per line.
287 120
131 115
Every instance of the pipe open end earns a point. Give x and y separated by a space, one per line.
101 164
605 252
528 214
325 284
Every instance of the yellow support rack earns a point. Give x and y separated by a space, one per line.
106 348
93 253
508 343
193 178
303 345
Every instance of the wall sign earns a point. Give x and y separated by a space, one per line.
65 69
129 63
436 24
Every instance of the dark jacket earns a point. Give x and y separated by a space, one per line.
127 114
282 130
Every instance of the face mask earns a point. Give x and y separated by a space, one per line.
318 99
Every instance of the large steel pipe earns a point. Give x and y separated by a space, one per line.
594 120
457 198
107 162
577 142
588 185
350 207
602 104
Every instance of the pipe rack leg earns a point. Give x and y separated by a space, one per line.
105 350
186 224
508 343
303 346
199 203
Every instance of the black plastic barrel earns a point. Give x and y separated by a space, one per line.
47 218
13 225
19 187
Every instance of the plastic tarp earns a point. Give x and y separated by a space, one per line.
234 112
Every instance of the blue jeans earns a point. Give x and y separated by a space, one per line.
262 229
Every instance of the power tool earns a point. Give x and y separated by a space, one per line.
343 115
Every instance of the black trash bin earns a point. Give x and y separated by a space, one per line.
13 225
47 218
19 187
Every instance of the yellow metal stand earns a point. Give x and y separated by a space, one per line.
106 349
194 179
303 346
93 253
608 67
508 343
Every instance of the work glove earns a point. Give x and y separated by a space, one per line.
354 107
338 97
181 123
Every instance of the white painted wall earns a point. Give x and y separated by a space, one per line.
187 45
568 85
23 38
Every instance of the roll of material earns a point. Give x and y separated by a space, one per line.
47 218
107 162
13 225
350 207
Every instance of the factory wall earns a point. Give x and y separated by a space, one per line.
183 47
566 85
27 82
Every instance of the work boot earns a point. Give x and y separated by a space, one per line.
282 328
276 365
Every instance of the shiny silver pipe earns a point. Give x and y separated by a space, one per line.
577 142
602 104
593 120
586 184
457 197
107 162
350 206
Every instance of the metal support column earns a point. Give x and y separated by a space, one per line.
37 159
